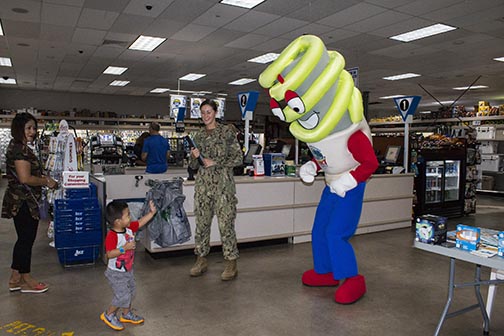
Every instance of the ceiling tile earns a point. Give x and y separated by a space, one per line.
60 15
108 5
164 28
183 10
88 36
275 44
21 29
96 19
279 7
401 27
280 26
461 9
193 33
131 24
55 33
390 3
251 21
317 10
220 15
138 7
351 15
32 6
378 21
247 41
75 3
312 29
420 7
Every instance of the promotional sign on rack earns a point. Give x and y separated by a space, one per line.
176 101
72 179
195 108
221 106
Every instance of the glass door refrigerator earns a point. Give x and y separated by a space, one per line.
440 183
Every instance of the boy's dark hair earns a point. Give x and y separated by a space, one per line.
115 211
211 103
18 126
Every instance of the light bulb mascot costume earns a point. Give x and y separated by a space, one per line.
325 110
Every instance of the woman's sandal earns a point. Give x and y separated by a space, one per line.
39 288
14 285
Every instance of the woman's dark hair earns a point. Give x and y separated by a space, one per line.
212 104
115 211
18 126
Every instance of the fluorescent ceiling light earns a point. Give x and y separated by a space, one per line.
242 3
500 59
423 33
5 61
159 90
474 87
146 43
242 81
266 58
390 97
192 77
112 70
403 76
7 81
1 30
119 83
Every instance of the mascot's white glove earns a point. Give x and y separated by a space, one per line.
308 171
343 184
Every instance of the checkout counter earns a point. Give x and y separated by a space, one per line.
271 207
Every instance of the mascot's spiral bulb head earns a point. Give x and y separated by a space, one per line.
319 94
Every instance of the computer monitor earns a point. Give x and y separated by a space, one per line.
254 149
392 154
286 150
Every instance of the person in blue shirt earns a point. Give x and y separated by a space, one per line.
155 151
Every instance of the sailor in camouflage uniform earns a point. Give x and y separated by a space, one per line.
215 191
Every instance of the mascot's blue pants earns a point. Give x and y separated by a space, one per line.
335 223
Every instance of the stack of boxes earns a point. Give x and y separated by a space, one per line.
490 137
77 226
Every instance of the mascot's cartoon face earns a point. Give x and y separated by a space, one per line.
318 94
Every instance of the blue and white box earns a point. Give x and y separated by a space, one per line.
431 229
467 237
500 251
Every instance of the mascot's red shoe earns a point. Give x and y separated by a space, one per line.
351 290
312 279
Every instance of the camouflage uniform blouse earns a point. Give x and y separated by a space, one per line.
221 146
16 192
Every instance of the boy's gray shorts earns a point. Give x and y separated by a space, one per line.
123 285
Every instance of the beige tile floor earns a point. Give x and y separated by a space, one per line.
407 290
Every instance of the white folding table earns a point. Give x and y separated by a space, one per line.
495 263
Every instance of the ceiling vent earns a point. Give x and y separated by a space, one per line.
122 44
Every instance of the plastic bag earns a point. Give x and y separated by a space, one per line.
43 209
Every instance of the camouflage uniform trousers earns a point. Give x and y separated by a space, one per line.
207 203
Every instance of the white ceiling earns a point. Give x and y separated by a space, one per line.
65 45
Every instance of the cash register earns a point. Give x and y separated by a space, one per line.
389 164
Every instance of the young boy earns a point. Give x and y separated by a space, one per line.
120 246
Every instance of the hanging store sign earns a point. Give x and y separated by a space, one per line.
247 102
407 105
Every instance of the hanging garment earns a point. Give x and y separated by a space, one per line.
170 224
